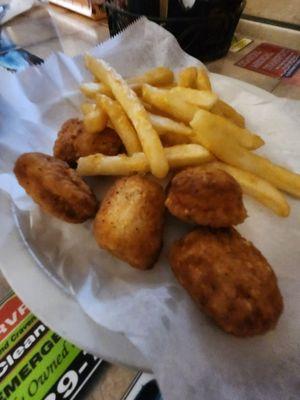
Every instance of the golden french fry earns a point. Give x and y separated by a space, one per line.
187 78
136 112
170 139
109 124
225 110
159 76
258 188
147 106
244 137
172 105
95 121
91 89
178 156
227 149
120 122
171 132
203 82
201 98
167 125
86 108
99 164
170 86
185 155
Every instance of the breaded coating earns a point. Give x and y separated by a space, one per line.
206 197
73 141
229 279
55 187
130 221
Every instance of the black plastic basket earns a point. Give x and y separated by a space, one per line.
205 31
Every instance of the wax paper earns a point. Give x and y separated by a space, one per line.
9 9
190 357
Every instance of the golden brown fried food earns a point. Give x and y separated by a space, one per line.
73 141
130 221
229 279
55 187
205 197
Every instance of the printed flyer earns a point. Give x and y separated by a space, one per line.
36 363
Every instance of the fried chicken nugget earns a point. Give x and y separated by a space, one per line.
206 197
55 187
73 142
130 221
229 279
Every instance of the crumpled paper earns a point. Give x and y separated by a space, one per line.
190 357
9 9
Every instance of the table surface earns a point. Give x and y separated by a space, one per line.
50 28
287 11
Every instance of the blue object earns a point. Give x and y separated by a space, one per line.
18 59
12 57
5 42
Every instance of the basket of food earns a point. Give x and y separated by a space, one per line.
150 217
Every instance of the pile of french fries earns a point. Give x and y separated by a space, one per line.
168 122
